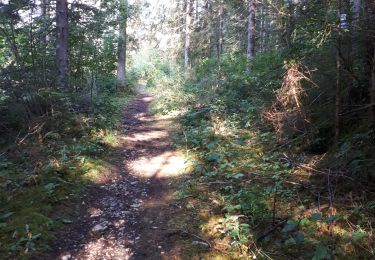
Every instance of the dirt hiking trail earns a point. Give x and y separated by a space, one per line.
127 214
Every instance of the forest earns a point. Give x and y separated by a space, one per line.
187 129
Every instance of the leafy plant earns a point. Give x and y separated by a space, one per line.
239 231
28 242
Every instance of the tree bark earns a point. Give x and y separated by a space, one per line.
188 19
350 56
338 122
197 10
250 53
262 31
121 48
45 4
369 12
220 31
62 43
31 42
372 88
356 12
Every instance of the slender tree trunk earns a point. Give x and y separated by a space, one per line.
356 13
62 43
197 10
372 88
369 36
250 50
210 29
250 53
45 4
187 33
121 48
267 31
350 57
338 122
220 31
31 42
78 70
262 30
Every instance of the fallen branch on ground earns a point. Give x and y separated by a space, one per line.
186 233
271 230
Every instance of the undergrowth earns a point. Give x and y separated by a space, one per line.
46 168
257 195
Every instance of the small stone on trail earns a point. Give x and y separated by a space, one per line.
136 205
95 212
66 257
99 228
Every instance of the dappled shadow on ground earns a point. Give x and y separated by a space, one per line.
128 215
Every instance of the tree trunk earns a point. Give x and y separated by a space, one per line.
121 48
220 31
197 10
62 43
370 53
372 89
338 122
356 12
350 56
31 43
45 4
251 30
262 31
187 33
211 50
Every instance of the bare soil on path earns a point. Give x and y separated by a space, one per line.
130 213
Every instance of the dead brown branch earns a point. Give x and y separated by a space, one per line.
34 130
287 114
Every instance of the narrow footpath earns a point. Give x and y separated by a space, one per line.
128 214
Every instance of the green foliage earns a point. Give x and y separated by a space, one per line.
252 204
240 232
266 71
64 156
321 253
220 107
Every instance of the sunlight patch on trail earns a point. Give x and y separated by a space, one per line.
106 248
147 136
168 164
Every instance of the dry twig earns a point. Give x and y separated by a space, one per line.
186 233
36 129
